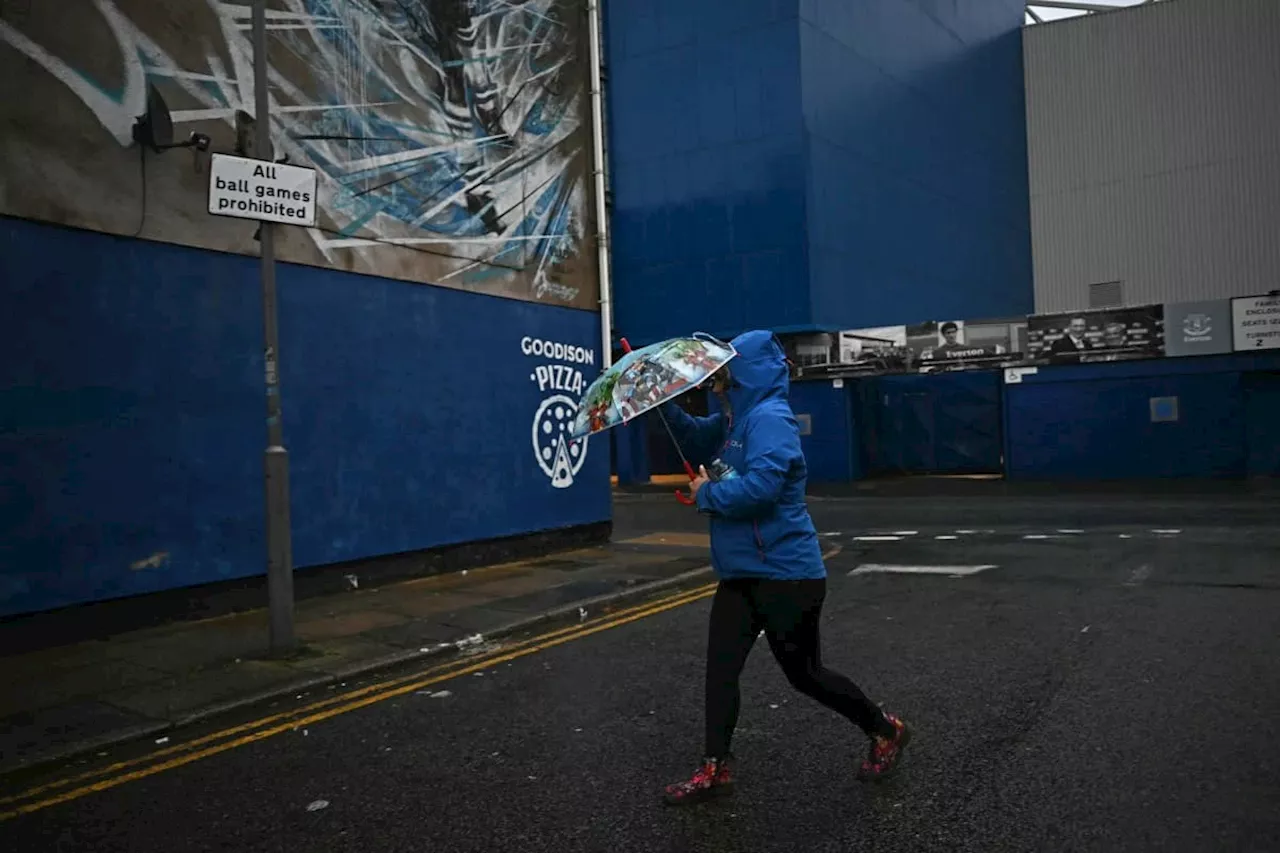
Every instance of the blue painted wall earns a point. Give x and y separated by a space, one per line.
1094 421
631 452
918 201
706 153
815 164
828 451
132 416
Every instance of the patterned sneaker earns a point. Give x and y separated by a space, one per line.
886 752
712 779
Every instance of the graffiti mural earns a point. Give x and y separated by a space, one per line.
451 136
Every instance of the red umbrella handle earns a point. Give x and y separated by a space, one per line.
687 500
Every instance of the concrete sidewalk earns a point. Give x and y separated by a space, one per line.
67 700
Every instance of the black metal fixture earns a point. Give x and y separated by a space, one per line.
154 128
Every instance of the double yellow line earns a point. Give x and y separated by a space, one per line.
104 778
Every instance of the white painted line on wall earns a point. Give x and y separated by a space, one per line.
954 571
1138 575
877 539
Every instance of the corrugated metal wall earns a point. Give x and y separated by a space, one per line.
1154 152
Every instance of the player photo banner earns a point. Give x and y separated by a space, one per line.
1110 334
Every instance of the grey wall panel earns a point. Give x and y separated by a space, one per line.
1154 152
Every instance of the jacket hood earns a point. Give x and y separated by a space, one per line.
759 372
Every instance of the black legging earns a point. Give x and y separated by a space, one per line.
788 612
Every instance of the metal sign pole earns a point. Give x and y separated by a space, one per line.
279 543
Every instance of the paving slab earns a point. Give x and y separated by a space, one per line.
347 624
417 634
548 599
338 655
476 620
175 698
623 556
462 580
82 721
669 567
509 587
352 598
47 663
70 685
671 540
435 603
195 645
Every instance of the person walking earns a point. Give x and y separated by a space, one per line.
767 557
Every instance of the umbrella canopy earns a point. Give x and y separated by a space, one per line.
646 378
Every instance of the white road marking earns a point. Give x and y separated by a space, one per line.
877 538
966 532
1164 531
1126 536
1037 536
1070 530
905 532
946 537
1139 575
954 571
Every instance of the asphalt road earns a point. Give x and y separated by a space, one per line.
1112 686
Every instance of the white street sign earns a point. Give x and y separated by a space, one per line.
1255 322
257 189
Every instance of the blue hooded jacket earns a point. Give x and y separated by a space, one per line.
760 525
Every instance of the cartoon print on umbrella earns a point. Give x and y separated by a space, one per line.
646 378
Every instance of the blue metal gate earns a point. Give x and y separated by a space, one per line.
947 423
1262 422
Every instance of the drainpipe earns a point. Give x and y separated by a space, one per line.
602 211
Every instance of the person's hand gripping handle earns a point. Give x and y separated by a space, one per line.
691 498
696 482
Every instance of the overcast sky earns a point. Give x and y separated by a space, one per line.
1055 14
